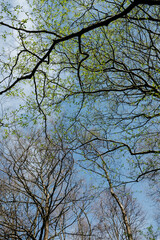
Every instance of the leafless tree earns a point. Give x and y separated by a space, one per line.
110 224
99 164
37 188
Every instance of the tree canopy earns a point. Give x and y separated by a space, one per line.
80 92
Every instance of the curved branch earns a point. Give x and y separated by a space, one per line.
70 36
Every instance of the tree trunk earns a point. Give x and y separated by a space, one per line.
46 228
